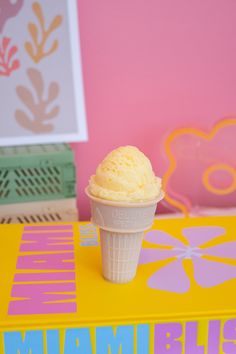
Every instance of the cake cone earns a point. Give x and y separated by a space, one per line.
122 227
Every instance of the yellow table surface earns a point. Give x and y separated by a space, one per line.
101 302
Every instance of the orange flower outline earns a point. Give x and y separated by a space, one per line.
173 163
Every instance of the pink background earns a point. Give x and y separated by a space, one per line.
150 67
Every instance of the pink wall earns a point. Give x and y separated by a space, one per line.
150 67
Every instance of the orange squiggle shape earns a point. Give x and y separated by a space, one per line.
172 166
219 167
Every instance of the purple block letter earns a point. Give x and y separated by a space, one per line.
166 338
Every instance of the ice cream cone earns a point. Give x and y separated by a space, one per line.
122 226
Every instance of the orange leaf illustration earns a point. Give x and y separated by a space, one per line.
37 82
34 32
38 108
38 12
55 23
40 35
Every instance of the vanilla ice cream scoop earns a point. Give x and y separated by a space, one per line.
125 175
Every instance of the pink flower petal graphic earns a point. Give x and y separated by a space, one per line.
201 234
150 255
162 238
224 250
171 277
209 273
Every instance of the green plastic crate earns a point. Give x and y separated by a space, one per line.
37 172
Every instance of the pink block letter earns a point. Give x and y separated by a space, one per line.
46 261
42 299
36 277
53 241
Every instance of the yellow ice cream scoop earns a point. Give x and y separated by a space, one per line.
126 175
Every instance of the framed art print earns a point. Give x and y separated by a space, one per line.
41 86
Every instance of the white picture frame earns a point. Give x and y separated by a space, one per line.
42 97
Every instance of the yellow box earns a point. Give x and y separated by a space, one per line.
53 299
